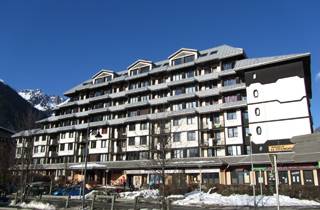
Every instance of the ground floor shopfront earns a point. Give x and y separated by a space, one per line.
289 174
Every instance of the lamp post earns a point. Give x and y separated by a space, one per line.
86 142
252 171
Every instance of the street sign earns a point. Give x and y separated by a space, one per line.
259 168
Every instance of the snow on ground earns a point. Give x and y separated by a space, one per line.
144 193
200 199
36 205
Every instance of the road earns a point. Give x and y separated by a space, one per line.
129 205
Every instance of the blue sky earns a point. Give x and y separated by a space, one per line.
56 44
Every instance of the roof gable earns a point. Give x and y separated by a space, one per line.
140 63
183 52
103 73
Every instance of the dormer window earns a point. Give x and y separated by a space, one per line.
102 79
183 60
102 76
183 56
139 67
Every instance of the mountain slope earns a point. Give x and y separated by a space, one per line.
40 100
15 112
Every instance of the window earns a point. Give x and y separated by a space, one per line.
104 130
36 138
257 111
103 143
247 131
103 157
132 127
255 93
61 147
191 135
190 89
232 98
189 74
228 65
190 105
42 148
177 153
308 177
100 80
283 177
143 126
217 135
295 177
143 155
259 130
216 119
240 177
35 150
193 152
210 178
63 135
71 135
231 115
190 120
93 144
183 60
254 76
143 140
176 137
176 122
234 150
230 82
70 146
131 141
232 132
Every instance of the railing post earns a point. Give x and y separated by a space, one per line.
168 203
92 202
136 200
67 202
112 202
15 198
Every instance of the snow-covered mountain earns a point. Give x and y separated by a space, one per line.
41 100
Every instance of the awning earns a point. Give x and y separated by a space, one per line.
90 166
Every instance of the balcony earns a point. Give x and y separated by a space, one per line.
53 141
207 125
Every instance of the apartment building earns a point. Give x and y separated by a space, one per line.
197 109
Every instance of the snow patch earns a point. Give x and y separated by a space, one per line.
40 100
36 205
201 199
154 194
2 81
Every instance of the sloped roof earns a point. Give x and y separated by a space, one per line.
253 62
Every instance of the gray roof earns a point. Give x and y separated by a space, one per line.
219 52
254 62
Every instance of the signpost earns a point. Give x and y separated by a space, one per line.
273 158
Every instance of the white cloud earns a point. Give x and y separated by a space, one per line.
318 76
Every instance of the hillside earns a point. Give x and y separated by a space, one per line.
15 112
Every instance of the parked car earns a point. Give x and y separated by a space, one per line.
72 191
4 200
37 188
